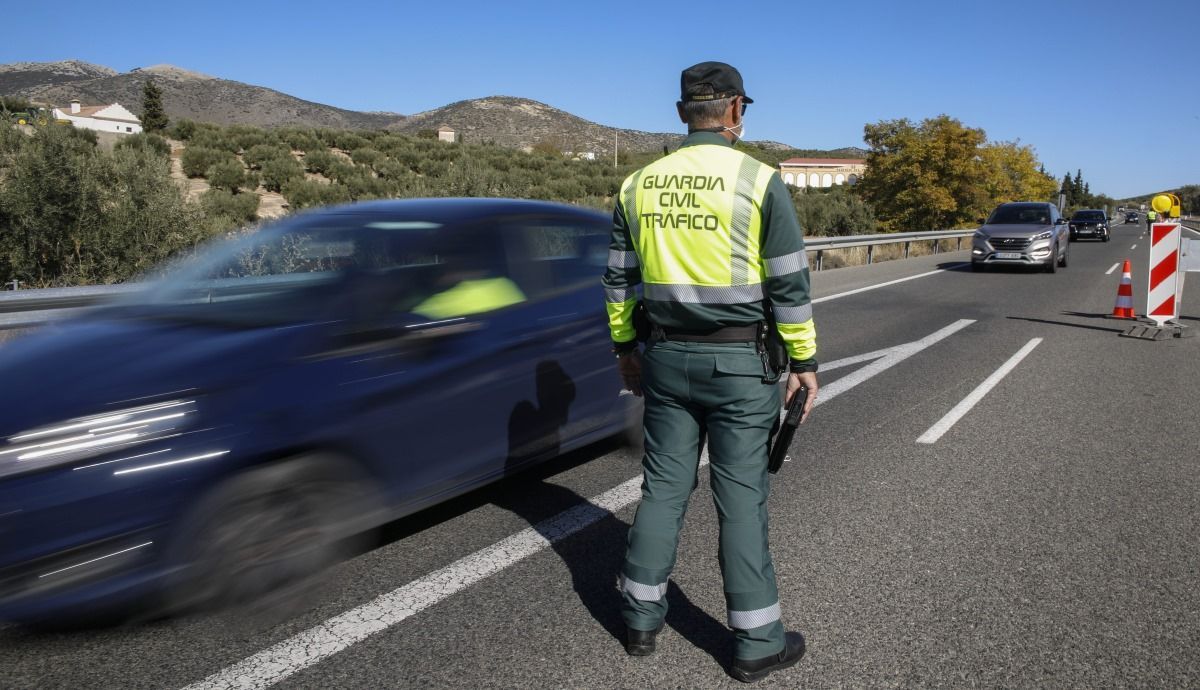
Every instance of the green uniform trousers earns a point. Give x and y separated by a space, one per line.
693 389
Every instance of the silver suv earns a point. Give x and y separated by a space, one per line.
1023 233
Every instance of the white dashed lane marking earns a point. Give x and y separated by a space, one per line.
876 287
962 408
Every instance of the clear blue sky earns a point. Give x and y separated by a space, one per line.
1073 79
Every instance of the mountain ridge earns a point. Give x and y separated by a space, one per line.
508 121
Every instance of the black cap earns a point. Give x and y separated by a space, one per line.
709 81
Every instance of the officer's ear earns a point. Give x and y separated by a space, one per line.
736 111
679 109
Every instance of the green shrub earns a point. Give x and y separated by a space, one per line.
74 214
302 140
227 174
308 193
319 161
181 129
277 172
365 156
214 139
237 208
434 168
361 185
198 159
390 169
149 142
348 141
258 154
247 137
340 171
833 211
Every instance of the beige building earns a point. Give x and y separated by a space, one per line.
445 133
822 172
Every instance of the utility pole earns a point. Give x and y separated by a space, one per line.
614 148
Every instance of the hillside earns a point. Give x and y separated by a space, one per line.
1189 197
522 123
18 77
504 120
186 94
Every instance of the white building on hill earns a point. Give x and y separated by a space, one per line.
102 118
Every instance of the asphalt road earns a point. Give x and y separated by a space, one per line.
1047 538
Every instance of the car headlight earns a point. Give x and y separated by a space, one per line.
1043 235
86 437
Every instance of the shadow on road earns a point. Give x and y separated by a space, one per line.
594 555
1067 323
964 266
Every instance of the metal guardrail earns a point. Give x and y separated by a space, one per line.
822 244
27 308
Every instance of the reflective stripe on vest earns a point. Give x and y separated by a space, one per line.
695 219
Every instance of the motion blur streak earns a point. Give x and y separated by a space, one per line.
96 441
194 458
131 457
116 553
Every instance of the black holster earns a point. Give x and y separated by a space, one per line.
642 327
771 346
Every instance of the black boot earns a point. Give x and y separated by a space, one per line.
641 642
750 670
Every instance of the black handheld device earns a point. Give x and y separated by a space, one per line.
787 429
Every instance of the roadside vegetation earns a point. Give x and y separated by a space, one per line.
73 212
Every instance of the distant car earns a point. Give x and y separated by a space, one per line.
1024 233
1091 223
220 435
1131 217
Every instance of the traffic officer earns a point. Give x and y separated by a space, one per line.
711 236
1151 216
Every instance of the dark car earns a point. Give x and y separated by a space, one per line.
1021 233
1131 217
219 437
1091 223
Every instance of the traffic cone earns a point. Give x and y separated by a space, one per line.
1124 306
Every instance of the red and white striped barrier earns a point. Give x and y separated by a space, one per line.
1162 298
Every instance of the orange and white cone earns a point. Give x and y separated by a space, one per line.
1124 306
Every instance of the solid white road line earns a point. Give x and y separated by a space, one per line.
962 408
876 287
1114 267
307 648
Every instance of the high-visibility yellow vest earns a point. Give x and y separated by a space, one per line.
694 219
471 297
1152 215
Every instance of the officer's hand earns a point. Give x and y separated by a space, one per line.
630 368
807 380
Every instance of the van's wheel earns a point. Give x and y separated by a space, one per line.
261 539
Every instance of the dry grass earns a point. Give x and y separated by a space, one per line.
857 256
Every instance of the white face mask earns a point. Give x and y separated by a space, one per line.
740 135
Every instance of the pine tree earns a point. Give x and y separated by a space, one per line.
1068 190
154 118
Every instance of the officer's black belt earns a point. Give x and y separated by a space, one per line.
728 334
